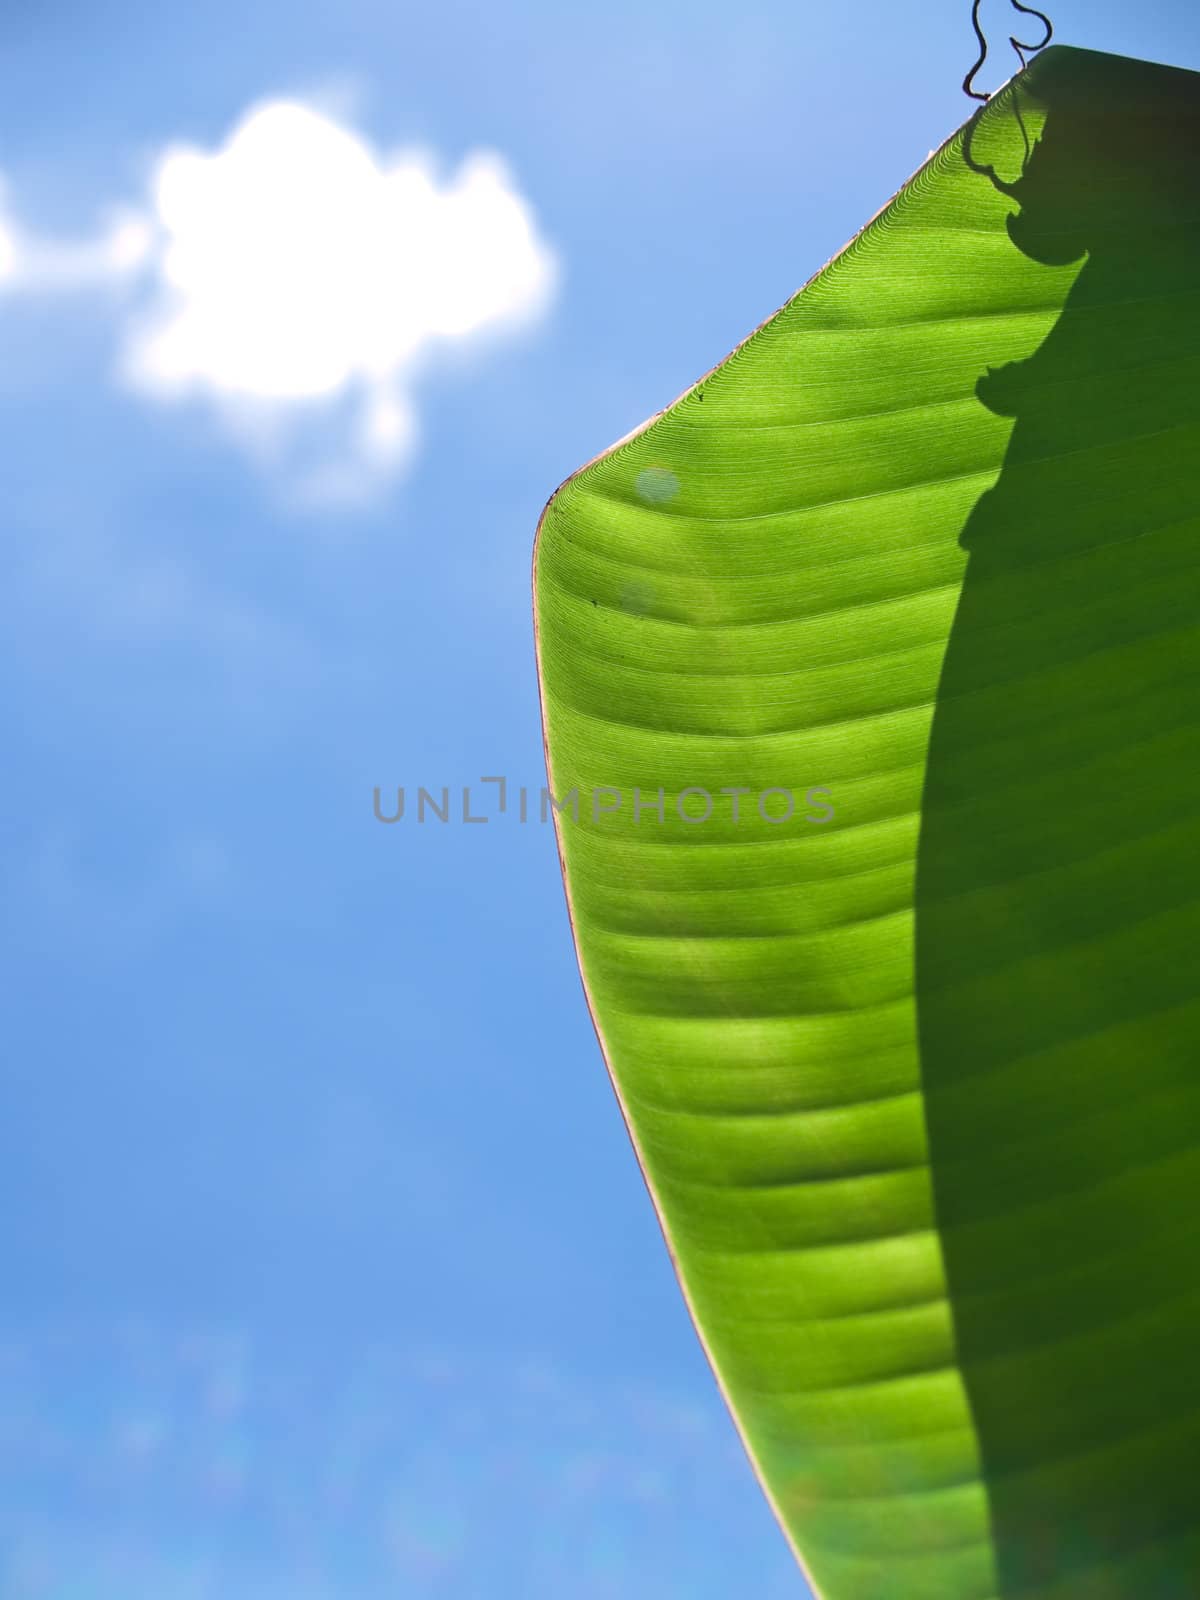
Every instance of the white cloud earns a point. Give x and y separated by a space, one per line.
28 263
9 252
293 276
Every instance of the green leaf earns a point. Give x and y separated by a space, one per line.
916 1086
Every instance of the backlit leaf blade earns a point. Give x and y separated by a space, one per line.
916 1088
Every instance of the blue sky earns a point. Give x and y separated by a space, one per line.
328 1269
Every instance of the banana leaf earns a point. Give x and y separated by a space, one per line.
906 1029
